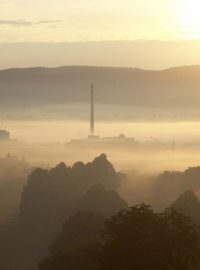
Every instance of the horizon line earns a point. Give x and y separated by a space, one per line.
99 66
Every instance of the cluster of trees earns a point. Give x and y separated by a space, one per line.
97 234
48 198
13 176
189 205
161 190
135 238
51 195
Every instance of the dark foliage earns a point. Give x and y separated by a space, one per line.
13 175
138 238
48 199
50 196
189 205
70 249
98 200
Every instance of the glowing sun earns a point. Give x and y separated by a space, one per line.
189 17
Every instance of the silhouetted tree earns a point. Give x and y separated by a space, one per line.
71 248
50 196
99 200
99 171
169 185
191 178
189 205
13 175
140 239
166 189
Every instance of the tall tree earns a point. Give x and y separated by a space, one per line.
141 239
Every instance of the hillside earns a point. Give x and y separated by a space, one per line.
169 93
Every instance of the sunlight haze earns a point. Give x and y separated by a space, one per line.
99 33
99 134
85 20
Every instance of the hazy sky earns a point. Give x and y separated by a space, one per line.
141 54
32 23
75 20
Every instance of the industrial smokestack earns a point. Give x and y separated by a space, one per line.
92 111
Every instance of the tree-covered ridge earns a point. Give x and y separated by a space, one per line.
122 86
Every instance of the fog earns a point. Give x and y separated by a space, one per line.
45 178
99 135
162 145
64 131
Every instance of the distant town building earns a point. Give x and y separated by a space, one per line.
4 135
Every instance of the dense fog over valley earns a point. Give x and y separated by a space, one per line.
99 135
76 157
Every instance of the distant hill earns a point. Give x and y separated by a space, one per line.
172 93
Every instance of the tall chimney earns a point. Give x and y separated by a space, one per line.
92 111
